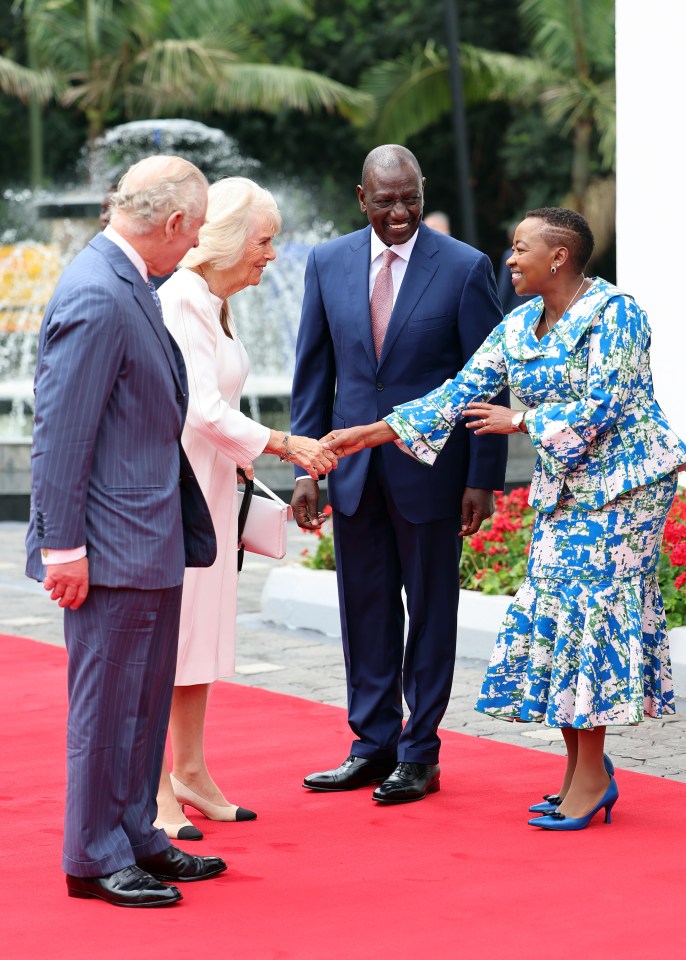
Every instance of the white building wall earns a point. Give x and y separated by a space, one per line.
651 183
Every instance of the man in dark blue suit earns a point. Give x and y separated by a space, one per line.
116 516
396 524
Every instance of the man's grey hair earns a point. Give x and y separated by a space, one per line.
154 188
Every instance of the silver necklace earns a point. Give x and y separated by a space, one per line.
545 312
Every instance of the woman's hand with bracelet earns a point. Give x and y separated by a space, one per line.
305 452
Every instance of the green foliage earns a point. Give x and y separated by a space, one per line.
159 57
323 557
246 66
494 560
566 78
345 40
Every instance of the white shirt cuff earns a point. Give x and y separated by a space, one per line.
50 557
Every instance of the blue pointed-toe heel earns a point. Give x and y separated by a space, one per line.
558 821
551 801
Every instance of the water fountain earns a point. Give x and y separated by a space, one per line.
33 256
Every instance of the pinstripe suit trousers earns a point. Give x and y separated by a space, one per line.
122 657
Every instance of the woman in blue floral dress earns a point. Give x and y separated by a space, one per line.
584 643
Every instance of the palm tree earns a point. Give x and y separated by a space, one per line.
24 83
34 87
569 75
133 58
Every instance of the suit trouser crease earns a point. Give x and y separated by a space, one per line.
122 659
377 553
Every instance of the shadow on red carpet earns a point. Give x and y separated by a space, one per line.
337 877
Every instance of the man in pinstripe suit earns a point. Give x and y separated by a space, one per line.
116 516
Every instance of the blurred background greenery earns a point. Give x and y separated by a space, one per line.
307 87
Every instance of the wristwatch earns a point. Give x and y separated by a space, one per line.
518 421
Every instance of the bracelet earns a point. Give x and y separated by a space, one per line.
287 456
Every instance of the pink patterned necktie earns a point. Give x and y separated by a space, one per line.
381 303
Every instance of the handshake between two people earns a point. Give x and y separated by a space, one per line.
479 416
326 453
322 456
318 457
477 505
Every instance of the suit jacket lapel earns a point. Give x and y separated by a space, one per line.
421 267
356 268
123 267
151 311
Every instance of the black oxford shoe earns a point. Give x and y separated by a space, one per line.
354 772
408 782
179 866
129 887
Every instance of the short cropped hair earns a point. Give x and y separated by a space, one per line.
565 227
156 187
386 157
234 204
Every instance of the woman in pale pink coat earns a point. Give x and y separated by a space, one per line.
235 246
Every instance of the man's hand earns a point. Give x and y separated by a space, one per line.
68 582
305 504
477 506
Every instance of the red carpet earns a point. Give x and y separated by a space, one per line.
321 877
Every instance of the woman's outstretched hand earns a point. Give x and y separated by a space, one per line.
307 453
353 439
311 456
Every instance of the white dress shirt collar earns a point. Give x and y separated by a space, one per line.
403 250
128 250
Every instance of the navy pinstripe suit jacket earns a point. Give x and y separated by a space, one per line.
108 469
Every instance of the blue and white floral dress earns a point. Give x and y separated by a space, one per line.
584 642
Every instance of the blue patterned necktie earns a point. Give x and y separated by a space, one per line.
156 297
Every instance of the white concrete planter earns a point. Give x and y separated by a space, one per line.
295 596
677 644
299 598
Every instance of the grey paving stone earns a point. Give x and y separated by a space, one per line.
307 664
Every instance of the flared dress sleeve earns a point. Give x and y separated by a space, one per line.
424 425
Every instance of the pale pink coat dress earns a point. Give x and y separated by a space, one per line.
216 437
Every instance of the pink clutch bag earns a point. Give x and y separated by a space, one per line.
262 521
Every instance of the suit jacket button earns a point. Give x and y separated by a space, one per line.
180 397
379 386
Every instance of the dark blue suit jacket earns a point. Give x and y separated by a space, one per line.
446 307
108 470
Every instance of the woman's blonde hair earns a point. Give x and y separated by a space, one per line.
234 204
